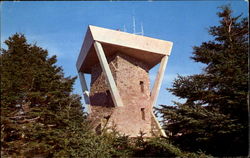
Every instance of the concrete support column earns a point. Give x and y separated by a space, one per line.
158 81
108 75
85 90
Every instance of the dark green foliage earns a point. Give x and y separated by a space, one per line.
214 117
37 107
160 147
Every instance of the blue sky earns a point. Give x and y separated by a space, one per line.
60 27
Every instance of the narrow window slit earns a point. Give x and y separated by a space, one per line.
143 113
142 86
109 101
108 97
108 93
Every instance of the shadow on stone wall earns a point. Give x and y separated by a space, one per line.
102 99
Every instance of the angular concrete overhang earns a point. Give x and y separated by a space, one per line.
146 49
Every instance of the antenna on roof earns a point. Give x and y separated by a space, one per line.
134 30
124 28
142 31
134 25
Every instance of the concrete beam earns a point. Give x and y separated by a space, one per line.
87 44
158 125
146 49
85 91
108 75
158 81
132 41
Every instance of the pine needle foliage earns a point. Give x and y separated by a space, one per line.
37 107
214 116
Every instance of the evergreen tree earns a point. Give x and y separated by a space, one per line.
37 107
214 117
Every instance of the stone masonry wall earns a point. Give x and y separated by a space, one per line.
132 80
102 105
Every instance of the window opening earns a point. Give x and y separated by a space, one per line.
108 93
108 96
142 86
143 113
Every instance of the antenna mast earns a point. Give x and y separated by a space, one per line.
142 31
134 30
134 25
124 28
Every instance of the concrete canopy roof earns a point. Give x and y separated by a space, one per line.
146 49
